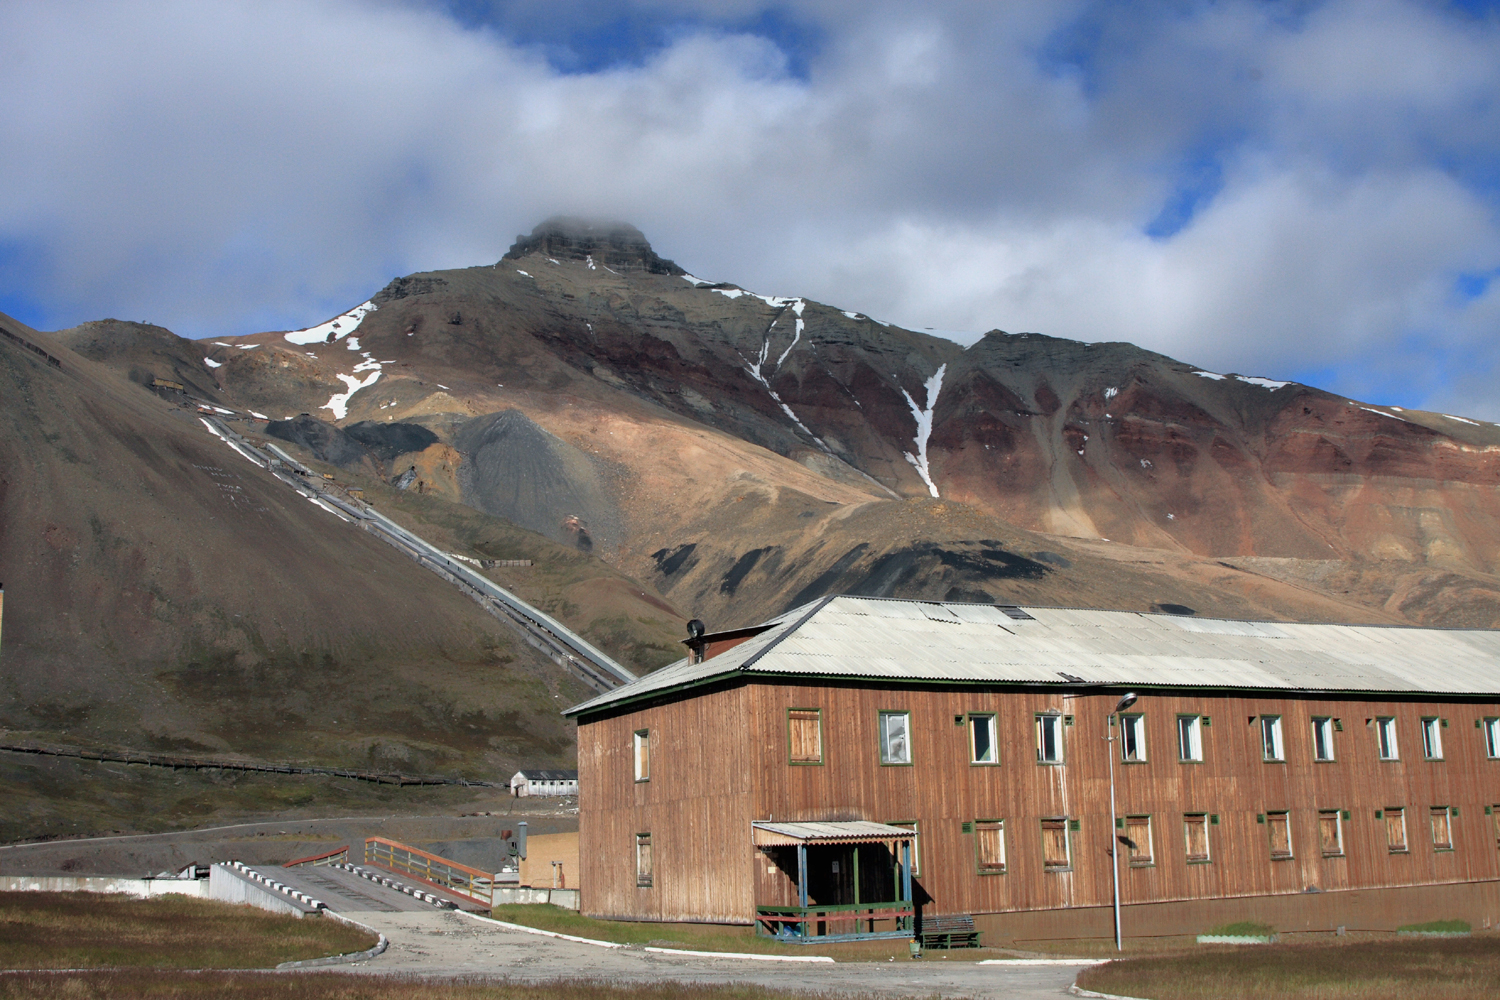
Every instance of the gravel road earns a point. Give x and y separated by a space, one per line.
453 944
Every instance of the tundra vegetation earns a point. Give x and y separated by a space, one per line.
1371 969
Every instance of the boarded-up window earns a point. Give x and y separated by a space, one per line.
1138 841
1195 831
983 747
1385 732
1280 825
643 755
1395 830
1132 738
1442 829
805 735
1330 833
989 846
895 738
1055 853
644 864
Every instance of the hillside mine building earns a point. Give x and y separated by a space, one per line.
857 759
543 781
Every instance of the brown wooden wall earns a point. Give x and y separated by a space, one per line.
723 762
696 808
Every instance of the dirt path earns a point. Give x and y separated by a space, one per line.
452 944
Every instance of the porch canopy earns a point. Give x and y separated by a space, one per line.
859 831
839 919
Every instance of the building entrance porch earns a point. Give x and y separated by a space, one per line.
834 881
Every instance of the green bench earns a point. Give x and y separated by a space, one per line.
951 930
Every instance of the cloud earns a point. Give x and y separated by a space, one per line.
1249 187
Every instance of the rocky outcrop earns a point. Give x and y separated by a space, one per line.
604 244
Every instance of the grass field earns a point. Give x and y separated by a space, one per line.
75 930
171 985
1386 969
713 937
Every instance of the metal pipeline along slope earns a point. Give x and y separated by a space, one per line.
561 644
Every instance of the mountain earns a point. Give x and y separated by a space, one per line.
166 595
661 401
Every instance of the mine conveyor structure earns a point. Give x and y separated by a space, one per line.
561 644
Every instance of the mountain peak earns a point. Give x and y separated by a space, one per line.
617 245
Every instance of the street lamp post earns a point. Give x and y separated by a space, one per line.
1114 847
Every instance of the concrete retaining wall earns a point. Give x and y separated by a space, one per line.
227 885
565 898
141 888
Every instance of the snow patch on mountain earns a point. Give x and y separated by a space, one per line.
923 416
340 326
212 363
755 368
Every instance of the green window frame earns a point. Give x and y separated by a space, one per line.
1051 746
989 846
894 737
804 737
984 739
1057 844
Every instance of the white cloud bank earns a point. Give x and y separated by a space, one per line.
236 166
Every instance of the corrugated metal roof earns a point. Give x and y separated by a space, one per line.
768 834
861 637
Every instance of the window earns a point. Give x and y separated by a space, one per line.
989 846
804 735
983 747
916 843
1330 833
1049 739
1322 738
1395 830
1442 828
1195 832
643 861
1432 739
1138 841
1385 732
643 755
1492 738
1190 737
1056 856
1270 738
1494 812
895 737
1132 738
1280 824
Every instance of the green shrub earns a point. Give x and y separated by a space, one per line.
1244 928
1438 927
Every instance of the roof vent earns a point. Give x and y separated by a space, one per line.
1015 613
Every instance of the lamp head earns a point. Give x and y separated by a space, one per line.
1126 702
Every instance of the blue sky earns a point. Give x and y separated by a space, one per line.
1301 190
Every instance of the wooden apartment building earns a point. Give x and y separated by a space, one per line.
859 759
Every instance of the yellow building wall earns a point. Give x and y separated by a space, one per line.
537 869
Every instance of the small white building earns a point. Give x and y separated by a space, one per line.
544 782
